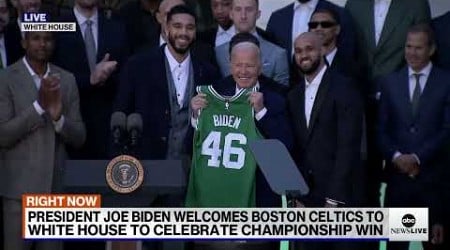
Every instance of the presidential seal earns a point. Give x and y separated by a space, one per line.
124 174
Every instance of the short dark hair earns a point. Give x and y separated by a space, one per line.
181 9
256 1
330 12
242 37
424 28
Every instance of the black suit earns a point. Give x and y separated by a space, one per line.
95 101
144 89
328 151
274 125
13 46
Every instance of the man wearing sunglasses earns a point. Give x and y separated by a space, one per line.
326 23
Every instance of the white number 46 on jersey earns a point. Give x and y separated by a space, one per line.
211 148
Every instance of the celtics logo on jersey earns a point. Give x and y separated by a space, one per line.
223 169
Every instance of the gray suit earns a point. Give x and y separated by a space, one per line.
34 152
274 61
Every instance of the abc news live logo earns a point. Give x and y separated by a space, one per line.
41 22
408 224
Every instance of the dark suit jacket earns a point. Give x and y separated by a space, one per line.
144 90
274 125
388 55
426 135
13 46
209 36
441 30
280 27
328 151
348 67
96 101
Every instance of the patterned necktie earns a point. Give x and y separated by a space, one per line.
416 94
89 43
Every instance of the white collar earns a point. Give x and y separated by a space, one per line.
230 31
424 72
173 62
31 71
311 4
161 40
257 87
81 19
330 56
318 78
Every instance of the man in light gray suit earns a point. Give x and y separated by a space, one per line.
39 115
244 14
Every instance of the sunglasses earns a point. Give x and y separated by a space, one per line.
324 24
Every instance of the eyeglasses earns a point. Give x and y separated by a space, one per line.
324 24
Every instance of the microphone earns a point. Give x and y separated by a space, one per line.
118 125
134 128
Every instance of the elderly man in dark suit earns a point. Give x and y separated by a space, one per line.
39 117
414 127
94 54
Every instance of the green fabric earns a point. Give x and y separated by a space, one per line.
223 168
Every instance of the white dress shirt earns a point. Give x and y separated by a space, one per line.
161 40
224 36
180 74
81 20
3 51
37 81
381 8
302 15
311 89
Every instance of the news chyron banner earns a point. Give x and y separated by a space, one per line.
42 22
82 217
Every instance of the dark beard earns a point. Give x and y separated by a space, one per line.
180 51
312 69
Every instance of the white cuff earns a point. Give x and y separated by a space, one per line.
59 124
417 158
333 202
396 154
261 114
38 108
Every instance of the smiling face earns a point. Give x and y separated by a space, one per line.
245 64
308 53
181 32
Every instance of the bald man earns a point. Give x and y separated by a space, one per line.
326 113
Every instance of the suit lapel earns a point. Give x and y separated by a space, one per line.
368 22
428 90
26 82
319 100
394 16
403 93
102 37
288 27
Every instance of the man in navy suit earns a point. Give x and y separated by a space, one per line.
414 126
288 22
94 54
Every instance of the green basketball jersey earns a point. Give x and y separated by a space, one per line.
223 168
